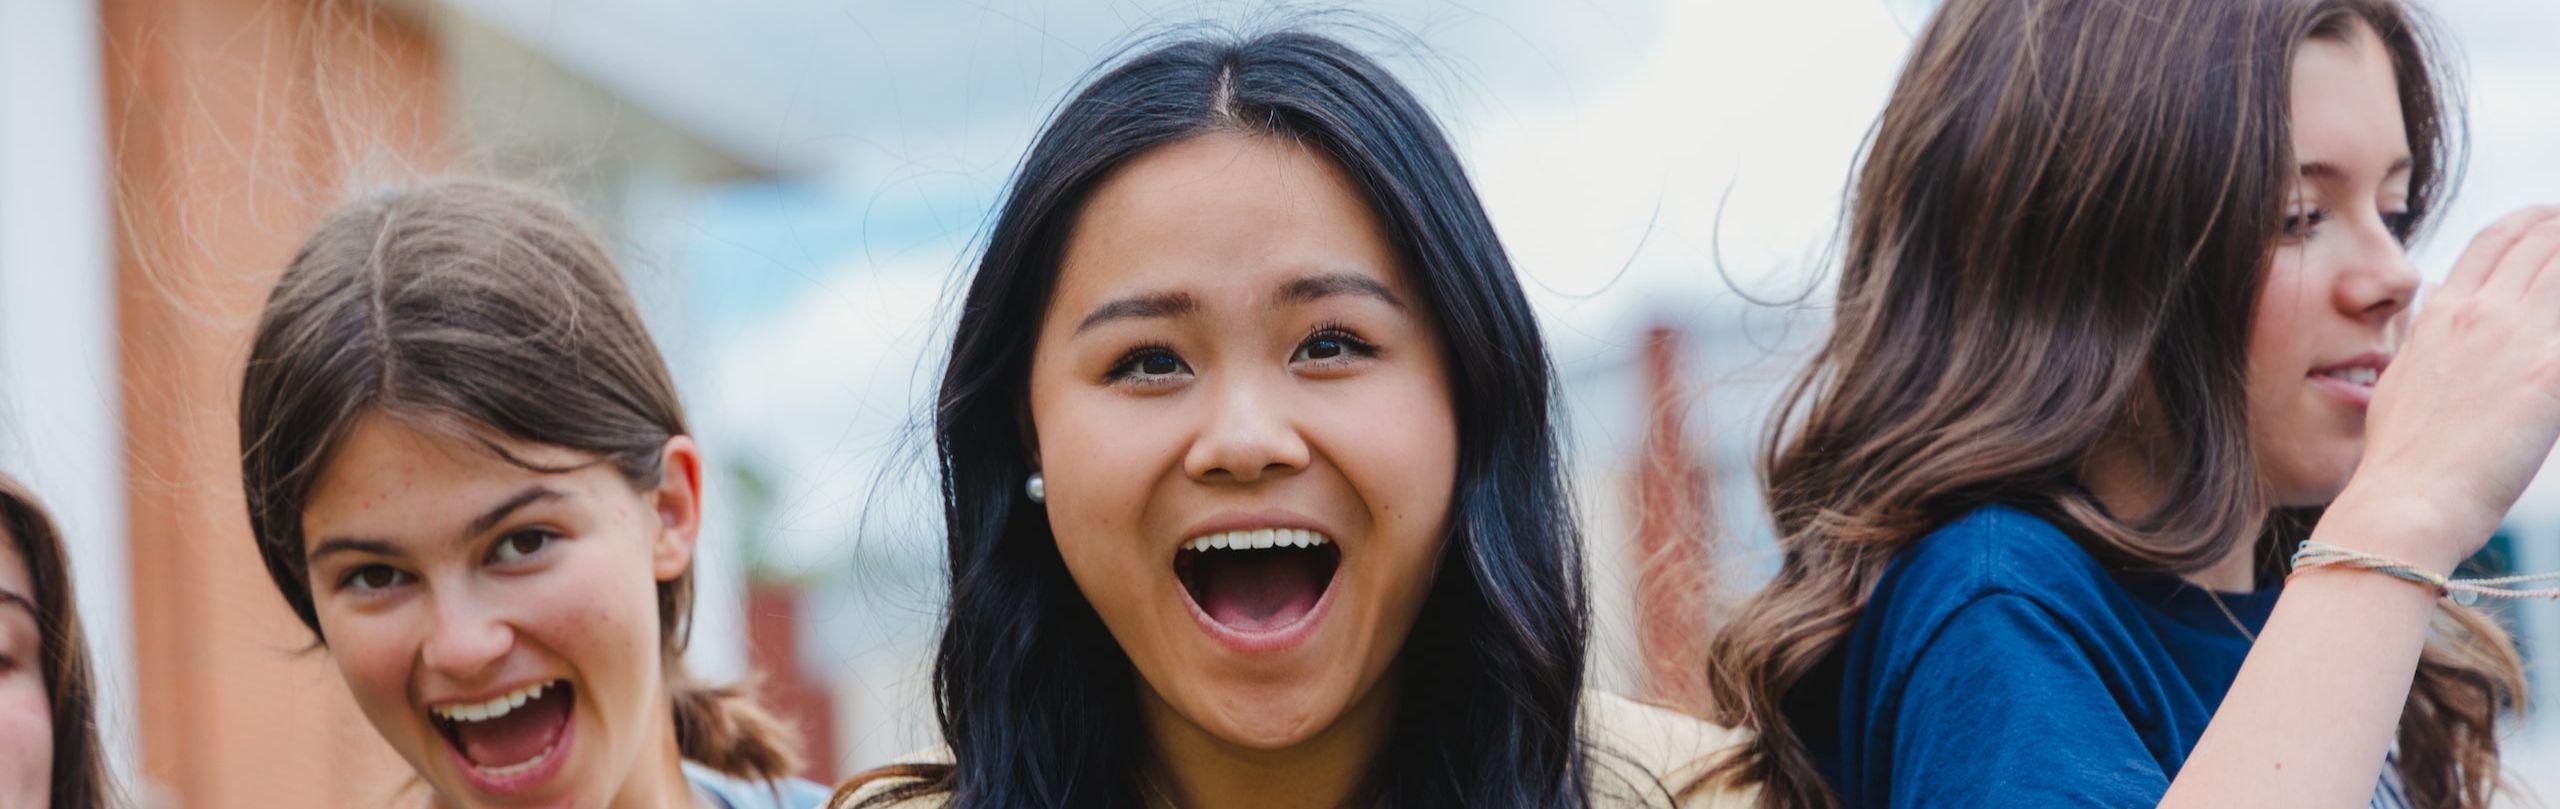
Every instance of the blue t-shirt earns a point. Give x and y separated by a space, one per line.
1998 664
739 793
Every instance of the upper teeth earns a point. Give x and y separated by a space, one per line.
2360 376
1257 538
482 711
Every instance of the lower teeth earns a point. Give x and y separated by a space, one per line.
518 768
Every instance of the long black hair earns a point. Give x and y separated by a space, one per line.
1036 700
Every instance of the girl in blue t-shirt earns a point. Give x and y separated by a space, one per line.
470 476
2122 281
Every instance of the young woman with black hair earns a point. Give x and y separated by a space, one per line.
1252 486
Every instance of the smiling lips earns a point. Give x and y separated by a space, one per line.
511 741
1258 589
2353 379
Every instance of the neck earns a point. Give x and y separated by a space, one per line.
657 778
1193 768
2128 476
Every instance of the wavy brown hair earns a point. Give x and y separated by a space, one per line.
476 310
2060 231
80 777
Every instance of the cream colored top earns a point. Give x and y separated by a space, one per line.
1640 756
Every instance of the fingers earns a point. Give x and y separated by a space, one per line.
2478 268
2536 258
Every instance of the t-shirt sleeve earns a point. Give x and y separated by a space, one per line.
2004 707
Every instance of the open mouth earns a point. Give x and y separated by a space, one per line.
1258 582
508 738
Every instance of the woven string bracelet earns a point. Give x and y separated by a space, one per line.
2462 591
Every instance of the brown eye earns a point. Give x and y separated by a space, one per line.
1332 344
1148 364
373 578
2301 225
518 546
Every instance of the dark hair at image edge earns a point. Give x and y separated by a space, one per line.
480 311
2060 231
80 777
1036 701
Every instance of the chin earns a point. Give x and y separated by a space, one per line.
1261 720
1265 730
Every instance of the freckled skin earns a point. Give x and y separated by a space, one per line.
472 615
26 713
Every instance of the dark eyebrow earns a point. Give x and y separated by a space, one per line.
531 495
12 597
351 545
486 520
1319 287
1161 304
2330 171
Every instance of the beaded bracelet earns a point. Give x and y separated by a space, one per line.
2463 591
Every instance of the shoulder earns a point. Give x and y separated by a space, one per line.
874 789
1990 545
1993 550
1642 755
1997 576
743 793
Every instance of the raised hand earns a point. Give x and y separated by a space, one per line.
2470 407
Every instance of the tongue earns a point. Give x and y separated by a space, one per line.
1262 590
518 736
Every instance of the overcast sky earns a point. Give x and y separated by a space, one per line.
1619 145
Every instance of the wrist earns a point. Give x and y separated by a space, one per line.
2404 523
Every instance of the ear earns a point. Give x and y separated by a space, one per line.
678 501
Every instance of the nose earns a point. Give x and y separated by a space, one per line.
1248 434
2378 281
469 639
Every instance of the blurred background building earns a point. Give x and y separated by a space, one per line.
794 187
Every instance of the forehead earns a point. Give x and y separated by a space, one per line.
1224 208
2346 102
390 480
14 575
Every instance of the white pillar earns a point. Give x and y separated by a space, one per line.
60 403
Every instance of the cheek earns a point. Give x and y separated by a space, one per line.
26 741
2280 331
374 653
2282 338
1401 458
2294 430
598 611
1099 462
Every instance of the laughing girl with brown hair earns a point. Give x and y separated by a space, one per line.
470 476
